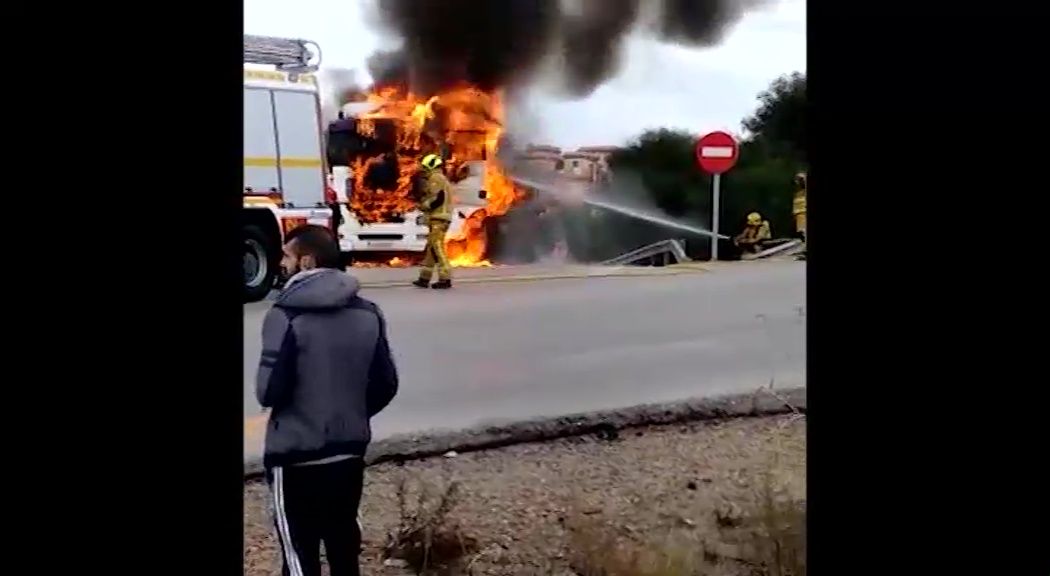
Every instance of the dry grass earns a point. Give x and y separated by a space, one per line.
426 539
707 498
768 538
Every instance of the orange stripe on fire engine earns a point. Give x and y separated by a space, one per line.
273 162
260 200
290 224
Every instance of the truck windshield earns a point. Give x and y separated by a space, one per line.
346 144
341 142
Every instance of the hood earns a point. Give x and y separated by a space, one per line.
318 289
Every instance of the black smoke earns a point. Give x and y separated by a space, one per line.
388 68
503 43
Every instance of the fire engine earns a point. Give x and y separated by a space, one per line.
284 160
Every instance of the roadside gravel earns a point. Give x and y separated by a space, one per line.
652 483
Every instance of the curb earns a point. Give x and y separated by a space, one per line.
409 447
692 266
671 270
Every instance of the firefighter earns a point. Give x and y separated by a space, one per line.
436 205
755 232
798 210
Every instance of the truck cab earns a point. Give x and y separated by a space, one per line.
395 232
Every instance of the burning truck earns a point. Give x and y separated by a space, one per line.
442 90
373 151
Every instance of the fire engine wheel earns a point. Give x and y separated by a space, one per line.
260 264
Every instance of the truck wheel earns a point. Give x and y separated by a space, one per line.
260 262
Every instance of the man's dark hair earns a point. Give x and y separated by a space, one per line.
316 241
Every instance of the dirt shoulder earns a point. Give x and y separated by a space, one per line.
536 508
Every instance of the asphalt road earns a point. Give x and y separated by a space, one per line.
503 351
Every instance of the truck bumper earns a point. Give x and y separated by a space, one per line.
405 245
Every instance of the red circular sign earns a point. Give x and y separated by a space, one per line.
716 152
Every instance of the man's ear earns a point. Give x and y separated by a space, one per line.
307 262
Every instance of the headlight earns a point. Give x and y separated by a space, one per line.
421 220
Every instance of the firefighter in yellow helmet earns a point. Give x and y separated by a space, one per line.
755 232
798 209
436 205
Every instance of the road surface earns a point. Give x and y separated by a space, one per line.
501 351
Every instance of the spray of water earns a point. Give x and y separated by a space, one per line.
641 215
605 203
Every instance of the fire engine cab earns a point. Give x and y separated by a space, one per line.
284 162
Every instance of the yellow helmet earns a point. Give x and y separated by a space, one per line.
431 161
754 218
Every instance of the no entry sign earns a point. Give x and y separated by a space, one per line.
716 152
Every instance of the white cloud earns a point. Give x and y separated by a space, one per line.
658 85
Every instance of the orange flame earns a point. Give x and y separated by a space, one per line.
394 262
465 120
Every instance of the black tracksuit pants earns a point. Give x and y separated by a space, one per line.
316 503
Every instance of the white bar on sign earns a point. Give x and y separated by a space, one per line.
716 152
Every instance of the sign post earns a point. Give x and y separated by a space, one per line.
716 202
716 153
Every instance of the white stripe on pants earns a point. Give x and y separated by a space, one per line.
291 558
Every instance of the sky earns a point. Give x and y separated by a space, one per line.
657 86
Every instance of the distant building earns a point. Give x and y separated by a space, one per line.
602 151
580 166
588 164
546 158
542 149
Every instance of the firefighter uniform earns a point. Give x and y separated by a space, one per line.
798 209
798 204
436 205
756 231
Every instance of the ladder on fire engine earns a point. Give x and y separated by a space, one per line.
292 55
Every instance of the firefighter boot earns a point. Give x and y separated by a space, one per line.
421 282
443 284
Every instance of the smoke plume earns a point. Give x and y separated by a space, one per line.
339 86
503 43
388 68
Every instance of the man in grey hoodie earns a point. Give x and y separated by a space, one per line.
324 371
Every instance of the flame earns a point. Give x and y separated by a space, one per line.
394 262
468 123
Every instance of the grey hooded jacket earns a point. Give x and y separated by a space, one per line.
325 369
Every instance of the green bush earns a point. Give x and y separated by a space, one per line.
659 170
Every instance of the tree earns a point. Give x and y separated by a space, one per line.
780 121
663 163
760 182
